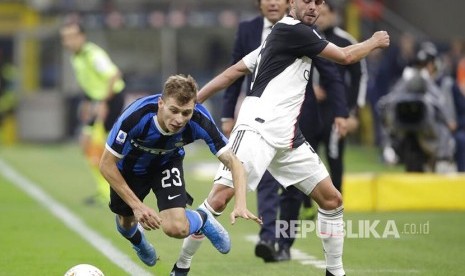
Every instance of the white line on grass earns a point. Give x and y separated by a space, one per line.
73 221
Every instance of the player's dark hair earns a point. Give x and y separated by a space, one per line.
182 88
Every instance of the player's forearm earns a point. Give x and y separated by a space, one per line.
356 52
215 85
113 176
223 80
229 159
239 180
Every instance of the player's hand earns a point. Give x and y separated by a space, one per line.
245 214
381 38
147 217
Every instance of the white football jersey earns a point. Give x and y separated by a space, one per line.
281 72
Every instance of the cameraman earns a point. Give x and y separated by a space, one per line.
418 118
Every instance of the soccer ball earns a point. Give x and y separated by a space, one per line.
84 270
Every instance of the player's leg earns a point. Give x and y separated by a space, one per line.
126 223
129 228
315 138
214 205
304 170
330 224
178 222
255 154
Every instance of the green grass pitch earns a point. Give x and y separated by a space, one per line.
35 242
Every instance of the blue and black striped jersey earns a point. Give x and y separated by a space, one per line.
143 146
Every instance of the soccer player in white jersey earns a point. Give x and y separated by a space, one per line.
266 134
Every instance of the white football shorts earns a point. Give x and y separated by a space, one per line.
300 167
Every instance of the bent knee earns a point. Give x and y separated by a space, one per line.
332 201
218 199
176 230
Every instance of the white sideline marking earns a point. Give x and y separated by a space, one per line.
297 255
73 221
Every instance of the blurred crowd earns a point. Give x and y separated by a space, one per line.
415 93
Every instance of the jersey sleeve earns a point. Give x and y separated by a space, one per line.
125 128
204 128
306 40
250 59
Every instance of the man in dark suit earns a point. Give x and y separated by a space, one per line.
249 36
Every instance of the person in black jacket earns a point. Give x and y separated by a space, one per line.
355 82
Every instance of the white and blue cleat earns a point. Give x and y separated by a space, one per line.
215 232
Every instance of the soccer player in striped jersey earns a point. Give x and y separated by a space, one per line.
266 135
144 151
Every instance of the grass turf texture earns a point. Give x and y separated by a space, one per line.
34 242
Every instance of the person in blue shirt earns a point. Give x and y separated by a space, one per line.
144 151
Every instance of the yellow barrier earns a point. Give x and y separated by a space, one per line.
404 191
8 131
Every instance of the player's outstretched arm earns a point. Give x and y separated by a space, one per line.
230 160
223 80
355 52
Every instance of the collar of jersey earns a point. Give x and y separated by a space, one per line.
157 125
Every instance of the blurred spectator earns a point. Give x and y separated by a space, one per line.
461 71
371 12
459 101
452 57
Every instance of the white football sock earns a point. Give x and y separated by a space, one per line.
331 232
190 245
209 208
